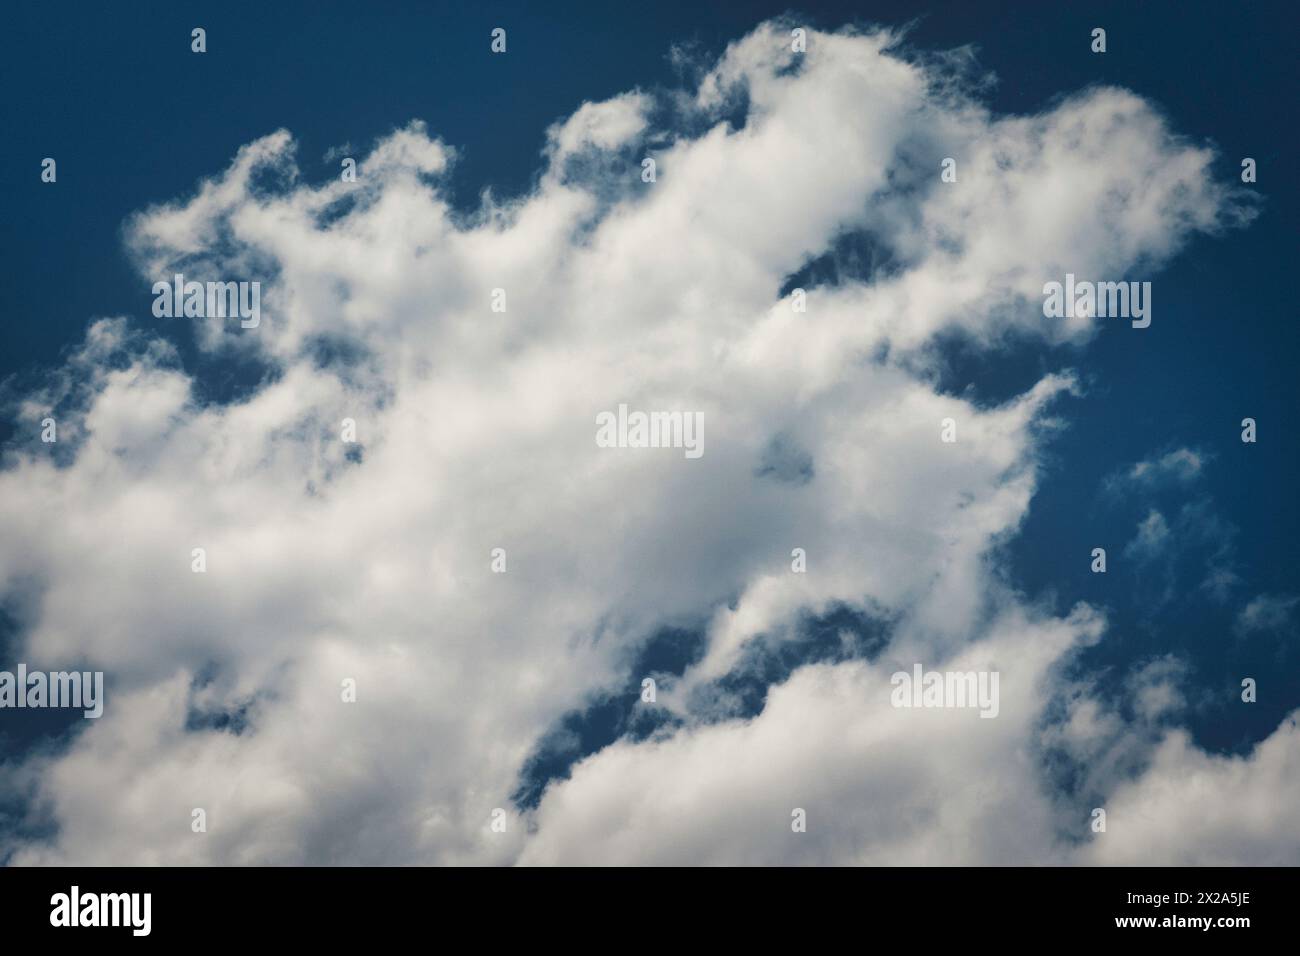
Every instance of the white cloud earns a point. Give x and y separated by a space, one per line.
1180 466
879 785
1151 540
1190 808
477 432
604 125
1267 612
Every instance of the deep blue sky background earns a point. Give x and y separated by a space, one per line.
113 92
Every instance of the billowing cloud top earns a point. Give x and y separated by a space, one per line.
371 561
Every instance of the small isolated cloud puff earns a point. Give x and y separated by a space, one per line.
1267 612
1181 466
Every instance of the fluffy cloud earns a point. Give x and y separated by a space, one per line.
1190 808
878 784
599 126
329 561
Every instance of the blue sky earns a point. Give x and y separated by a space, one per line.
135 119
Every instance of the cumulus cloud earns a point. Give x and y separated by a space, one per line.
601 126
878 784
372 561
1190 808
